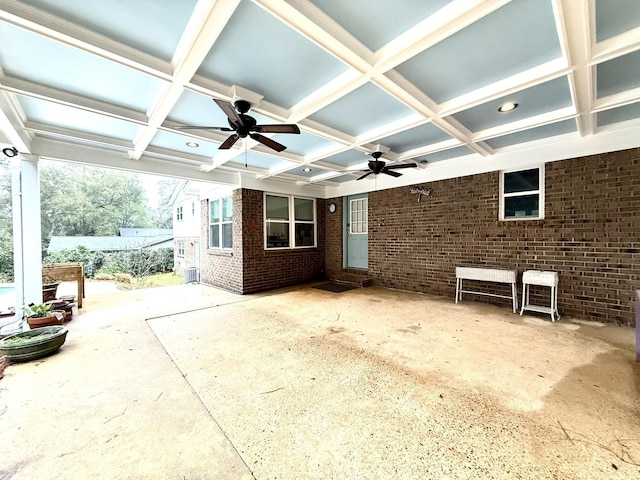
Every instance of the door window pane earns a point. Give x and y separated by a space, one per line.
358 216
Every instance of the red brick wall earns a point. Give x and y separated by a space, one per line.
264 270
334 237
222 268
590 235
249 268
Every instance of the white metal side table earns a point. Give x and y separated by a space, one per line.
545 279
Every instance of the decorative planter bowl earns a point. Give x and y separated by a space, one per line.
33 344
49 291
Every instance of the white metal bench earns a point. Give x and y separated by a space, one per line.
487 274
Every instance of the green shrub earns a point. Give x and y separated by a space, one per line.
93 261
136 263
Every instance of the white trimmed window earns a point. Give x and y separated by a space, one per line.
358 223
289 222
179 213
522 194
181 249
193 209
221 223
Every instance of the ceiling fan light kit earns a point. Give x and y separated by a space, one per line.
377 166
244 126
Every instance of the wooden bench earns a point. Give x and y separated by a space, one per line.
487 274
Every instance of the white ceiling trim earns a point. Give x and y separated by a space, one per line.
54 95
76 36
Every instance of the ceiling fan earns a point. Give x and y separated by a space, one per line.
377 166
244 125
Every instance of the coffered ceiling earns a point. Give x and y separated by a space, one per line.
105 83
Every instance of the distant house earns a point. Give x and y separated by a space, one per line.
144 232
186 225
129 239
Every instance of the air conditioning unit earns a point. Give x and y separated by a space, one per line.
192 275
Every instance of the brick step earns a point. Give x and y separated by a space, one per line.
353 279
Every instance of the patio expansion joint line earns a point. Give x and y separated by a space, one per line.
196 393
245 299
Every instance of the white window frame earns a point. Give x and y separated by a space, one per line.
539 192
193 209
359 226
181 249
179 215
220 223
291 221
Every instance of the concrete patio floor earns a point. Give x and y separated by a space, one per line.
190 382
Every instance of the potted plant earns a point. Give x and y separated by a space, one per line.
49 288
43 315
32 344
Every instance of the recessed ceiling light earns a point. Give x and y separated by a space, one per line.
306 169
507 107
192 144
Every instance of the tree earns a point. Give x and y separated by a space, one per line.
6 226
162 216
79 200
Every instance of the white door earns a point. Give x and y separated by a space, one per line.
357 231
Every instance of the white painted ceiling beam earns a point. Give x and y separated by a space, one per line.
574 20
207 22
30 89
449 20
617 100
520 81
12 123
76 135
617 46
526 123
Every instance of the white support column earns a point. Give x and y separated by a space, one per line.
27 256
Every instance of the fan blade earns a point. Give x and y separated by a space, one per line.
277 128
203 127
360 178
402 165
229 142
391 172
230 112
278 147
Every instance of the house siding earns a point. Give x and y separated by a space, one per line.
590 235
